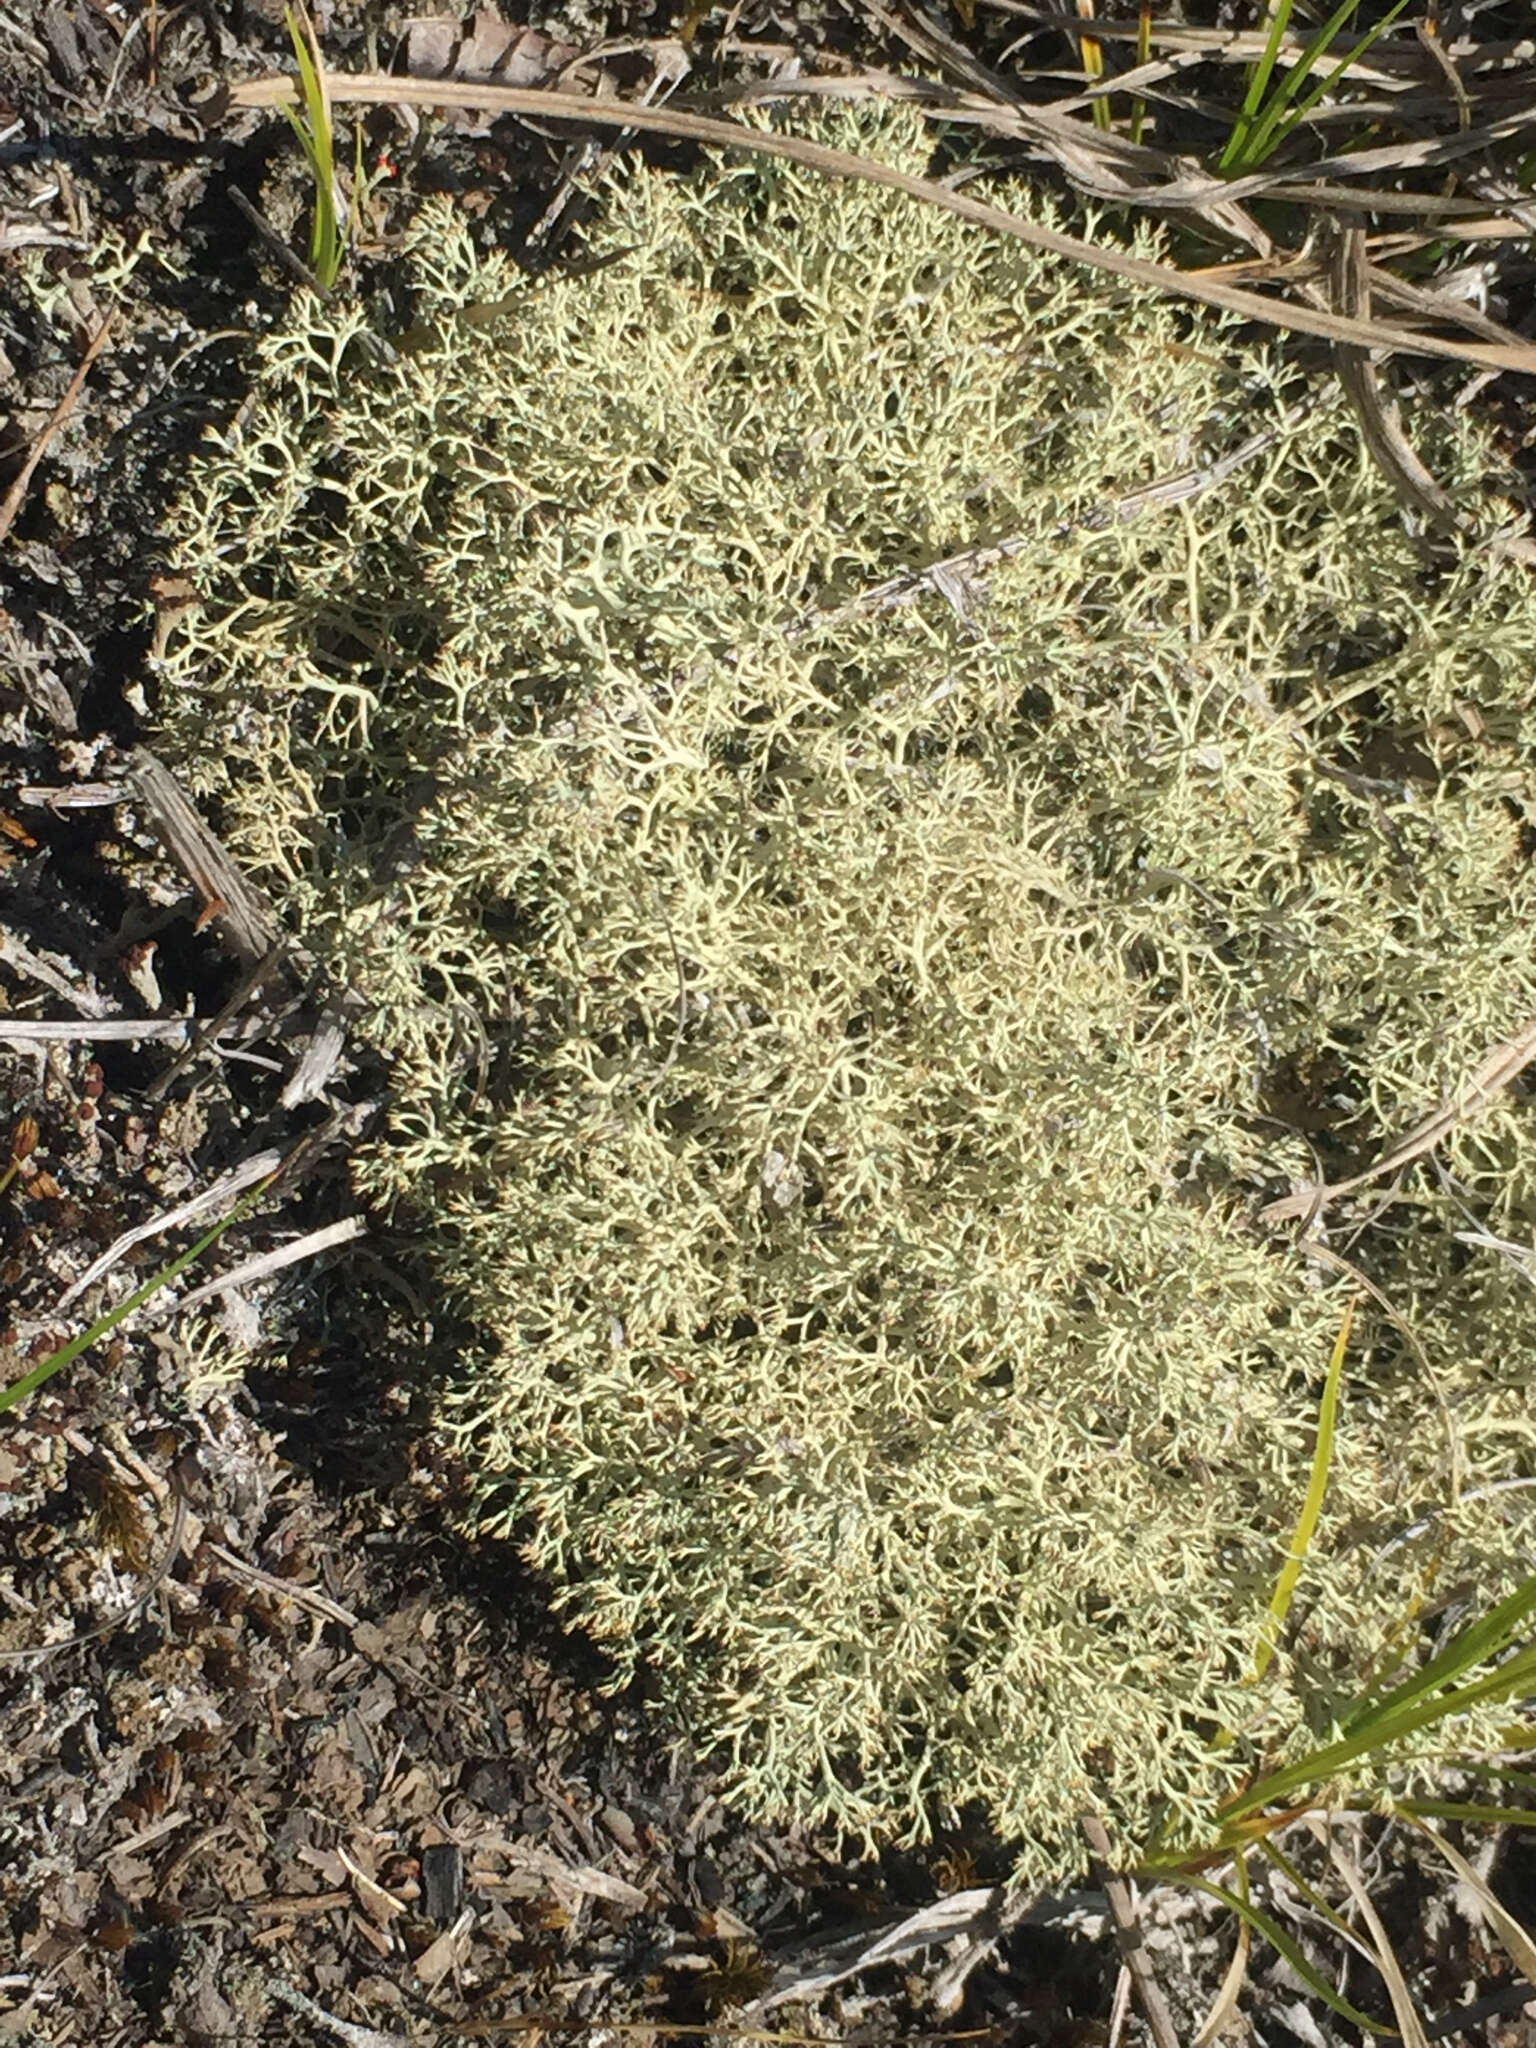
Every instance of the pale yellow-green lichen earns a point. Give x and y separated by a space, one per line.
840 1052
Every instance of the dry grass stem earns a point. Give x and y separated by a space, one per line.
372 89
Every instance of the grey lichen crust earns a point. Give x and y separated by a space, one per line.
841 1050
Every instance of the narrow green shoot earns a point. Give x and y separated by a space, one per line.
1476 1811
1143 56
1445 1688
1311 1507
1268 117
317 139
1093 67
66 1354
1451 1683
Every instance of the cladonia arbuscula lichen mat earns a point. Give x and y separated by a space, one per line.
842 1042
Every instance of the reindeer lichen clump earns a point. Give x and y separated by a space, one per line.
843 1035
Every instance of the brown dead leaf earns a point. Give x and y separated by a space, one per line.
335 1783
483 48
174 597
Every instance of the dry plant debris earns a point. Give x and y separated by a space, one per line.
841 1068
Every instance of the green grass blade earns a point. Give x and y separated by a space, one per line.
1468 1648
1396 1720
1469 1810
66 1354
1279 1940
1311 1507
1262 139
1314 1898
317 137
1258 86
1280 117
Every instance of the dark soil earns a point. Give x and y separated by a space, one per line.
280 1754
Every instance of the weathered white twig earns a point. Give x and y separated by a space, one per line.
264 1264
258 1167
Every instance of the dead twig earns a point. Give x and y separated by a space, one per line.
307 1597
10 504
963 568
1507 1060
1128 1937
345 2030
206 1034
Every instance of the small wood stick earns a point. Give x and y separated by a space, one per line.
1128 1938
10 505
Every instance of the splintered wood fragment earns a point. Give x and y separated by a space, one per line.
73 796
322 1055
1507 1060
245 921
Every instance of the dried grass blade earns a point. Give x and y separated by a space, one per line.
264 1264
1514 1936
1389 446
259 1168
1224 2005
242 914
377 89
1409 2024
